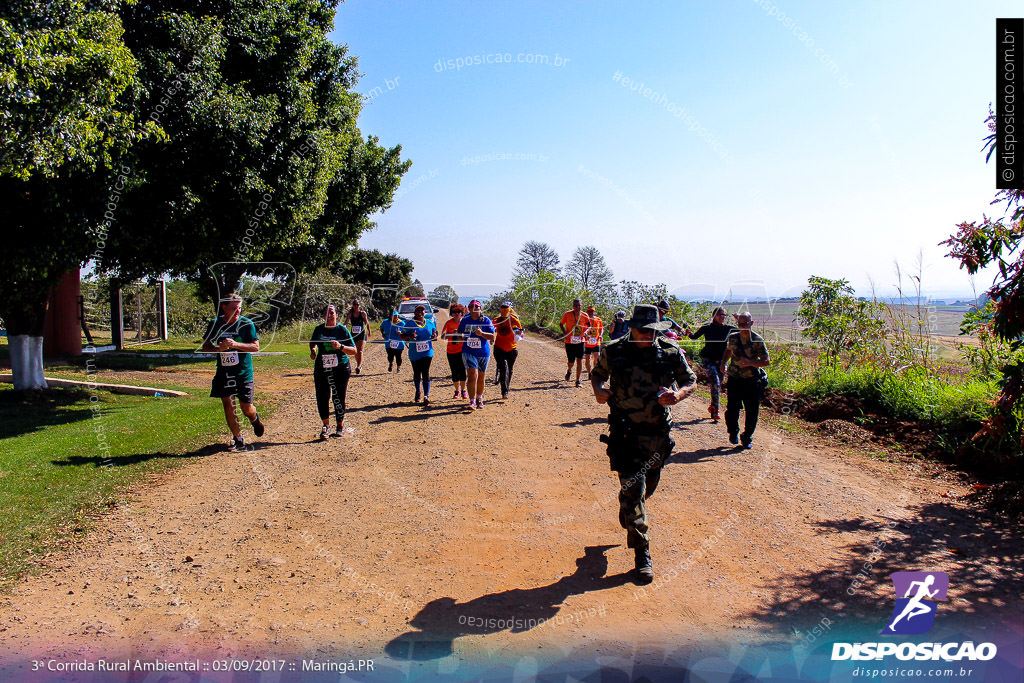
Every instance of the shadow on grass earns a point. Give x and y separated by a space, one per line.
23 412
135 458
855 591
443 620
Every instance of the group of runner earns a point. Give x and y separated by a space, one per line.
469 336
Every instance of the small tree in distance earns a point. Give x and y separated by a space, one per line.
534 259
588 269
836 320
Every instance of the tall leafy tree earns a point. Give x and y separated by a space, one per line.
263 159
535 258
167 136
68 88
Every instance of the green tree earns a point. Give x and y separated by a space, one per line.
633 292
386 276
443 296
263 160
542 298
837 321
68 93
165 137
998 244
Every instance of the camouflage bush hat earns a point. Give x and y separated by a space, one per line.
645 317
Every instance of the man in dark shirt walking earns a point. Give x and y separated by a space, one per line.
715 333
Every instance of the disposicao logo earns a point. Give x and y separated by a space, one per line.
914 614
915 608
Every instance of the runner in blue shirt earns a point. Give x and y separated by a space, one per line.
479 332
420 334
391 331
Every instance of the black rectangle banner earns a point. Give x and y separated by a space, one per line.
1009 150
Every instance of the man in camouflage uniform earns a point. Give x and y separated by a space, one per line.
642 367
747 379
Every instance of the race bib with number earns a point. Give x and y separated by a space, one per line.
356 329
229 357
330 360
422 346
473 342
575 339
393 344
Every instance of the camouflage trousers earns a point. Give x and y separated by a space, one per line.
637 482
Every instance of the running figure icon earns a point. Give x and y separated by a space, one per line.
913 589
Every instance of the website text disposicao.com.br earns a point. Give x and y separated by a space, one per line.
899 672
459 63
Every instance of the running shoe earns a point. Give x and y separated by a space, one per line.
358 369
504 397
324 431
734 439
426 400
567 373
237 444
339 432
479 403
464 394
389 368
579 383
456 395
257 426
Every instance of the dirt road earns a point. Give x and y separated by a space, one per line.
434 532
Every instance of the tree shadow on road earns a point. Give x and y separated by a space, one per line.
443 620
855 590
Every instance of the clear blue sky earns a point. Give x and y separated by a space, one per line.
778 139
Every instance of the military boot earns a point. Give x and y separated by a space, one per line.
644 570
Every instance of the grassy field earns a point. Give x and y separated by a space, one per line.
65 456
64 459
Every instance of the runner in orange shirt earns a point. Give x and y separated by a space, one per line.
592 340
450 331
510 330
574 325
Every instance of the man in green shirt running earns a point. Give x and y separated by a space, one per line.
233 337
